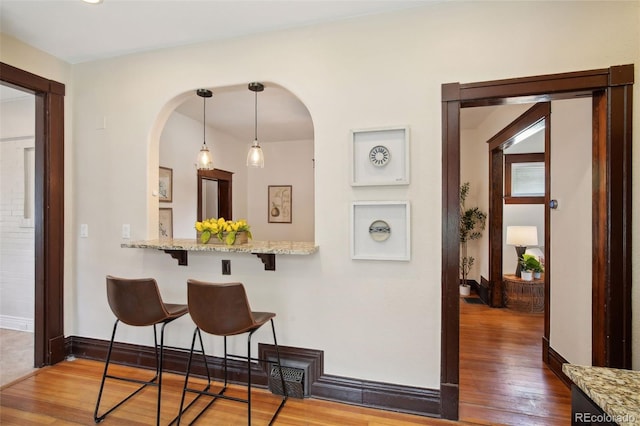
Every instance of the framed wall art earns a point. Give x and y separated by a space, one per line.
380 156
380 230
165 223
279 203
165 185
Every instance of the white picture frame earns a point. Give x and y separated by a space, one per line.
380 156
380 230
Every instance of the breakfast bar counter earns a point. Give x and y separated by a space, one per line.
265 250
616 392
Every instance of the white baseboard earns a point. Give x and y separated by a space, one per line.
16 323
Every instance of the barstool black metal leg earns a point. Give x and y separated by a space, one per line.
284 387
225 361
159 366
249 378
275 343
186 377
204 356
104 376
144 384
186 389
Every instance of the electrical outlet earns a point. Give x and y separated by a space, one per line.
226 267
84 230
126 231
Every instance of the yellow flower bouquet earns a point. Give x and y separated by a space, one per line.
224 230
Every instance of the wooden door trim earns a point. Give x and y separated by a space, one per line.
498 181
49 211
611 89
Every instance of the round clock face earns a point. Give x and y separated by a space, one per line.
379 230
379 155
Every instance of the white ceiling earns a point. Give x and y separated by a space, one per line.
77 32
281 115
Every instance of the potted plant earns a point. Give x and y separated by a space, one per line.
530 266
472 223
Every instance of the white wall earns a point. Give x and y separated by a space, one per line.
180 141
286 163
570 251
17 273
361 73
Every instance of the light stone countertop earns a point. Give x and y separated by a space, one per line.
616 391
254 247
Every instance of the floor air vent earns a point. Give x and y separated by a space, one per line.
293 380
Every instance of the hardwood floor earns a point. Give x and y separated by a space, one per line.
65 394
502 377
503 381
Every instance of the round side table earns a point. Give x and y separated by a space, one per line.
524 296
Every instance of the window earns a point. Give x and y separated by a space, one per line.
524 178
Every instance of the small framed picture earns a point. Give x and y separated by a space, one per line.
279 203
380 230
165 185
165 223
380 156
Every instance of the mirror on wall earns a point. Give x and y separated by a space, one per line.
215 196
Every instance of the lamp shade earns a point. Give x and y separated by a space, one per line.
522 235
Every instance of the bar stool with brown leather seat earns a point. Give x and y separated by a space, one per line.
223 310
137 302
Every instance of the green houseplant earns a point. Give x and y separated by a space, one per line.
531 264
472 223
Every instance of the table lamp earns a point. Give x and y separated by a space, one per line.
521 237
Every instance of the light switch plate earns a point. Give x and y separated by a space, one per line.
84 230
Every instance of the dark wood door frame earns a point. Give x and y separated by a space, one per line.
225 192
49 346
497 181
611 90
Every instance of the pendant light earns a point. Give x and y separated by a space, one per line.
255 157
205 159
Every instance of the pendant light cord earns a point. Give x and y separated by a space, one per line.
256 117
204 122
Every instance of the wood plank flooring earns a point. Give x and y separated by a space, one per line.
503 381
65 394
502 377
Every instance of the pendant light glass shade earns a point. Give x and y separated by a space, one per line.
255 156
204 159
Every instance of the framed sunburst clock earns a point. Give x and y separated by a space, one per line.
380 156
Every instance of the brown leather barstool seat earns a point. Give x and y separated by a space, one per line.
137 302
223 310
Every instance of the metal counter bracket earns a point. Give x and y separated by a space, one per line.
180 255
268 259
